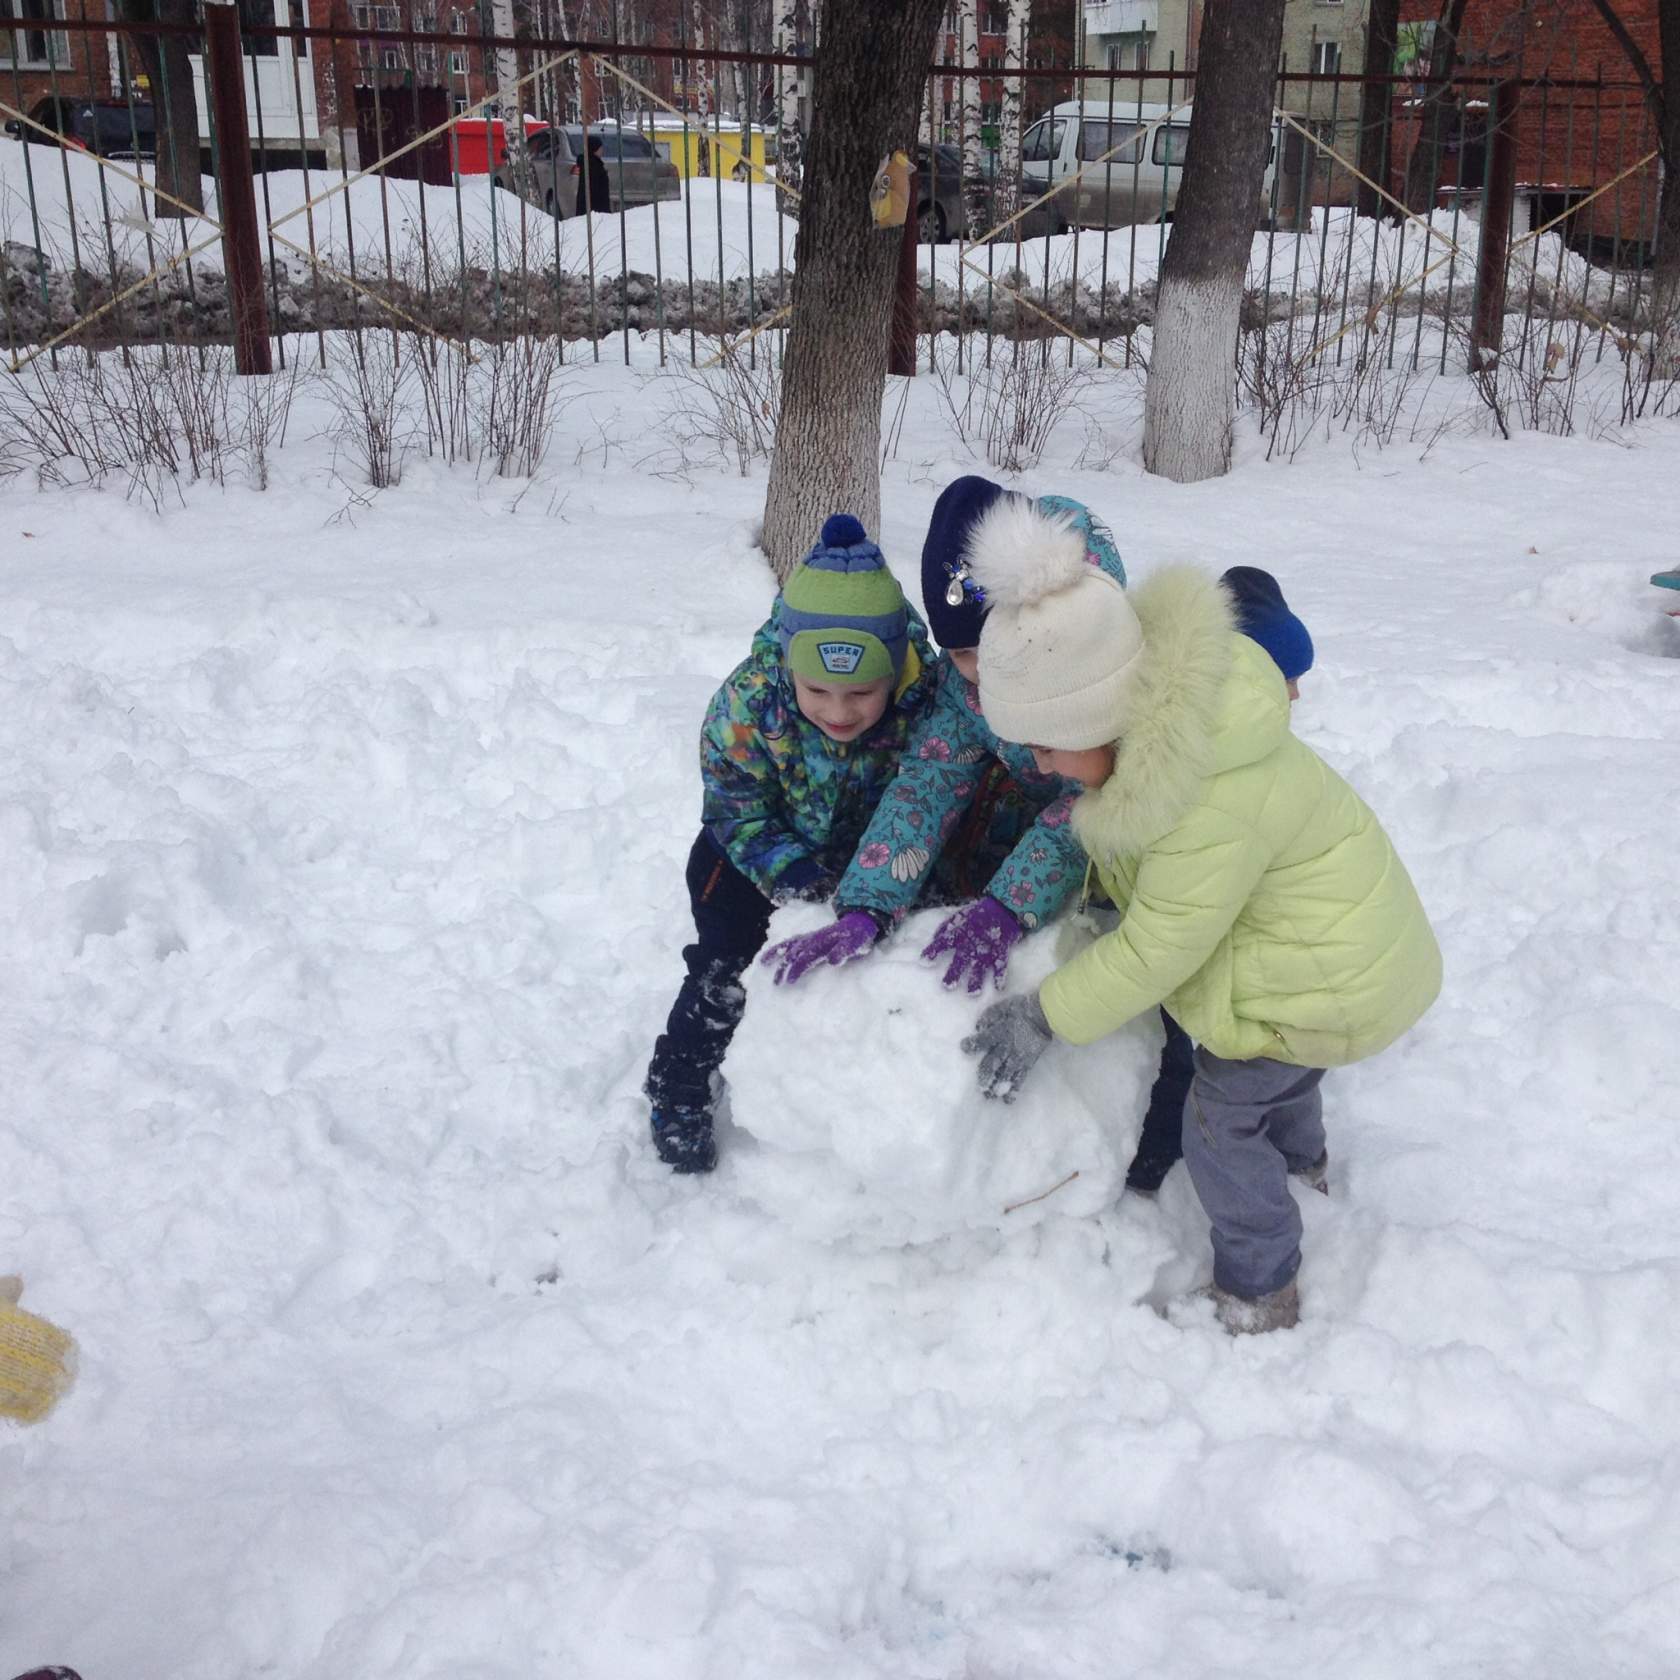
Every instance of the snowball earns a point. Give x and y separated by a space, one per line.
866 1112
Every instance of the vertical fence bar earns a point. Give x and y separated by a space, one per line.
690 172
1534 255
384 172
623 224
717 186
309 193
1329 200
1592 243
749 184
34 203
268 209
236 194
69 191
1563 227
966 189
1488 326
418 126
1452 234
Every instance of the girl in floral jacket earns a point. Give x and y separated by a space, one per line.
969 819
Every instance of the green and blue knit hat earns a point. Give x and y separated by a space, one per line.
842 617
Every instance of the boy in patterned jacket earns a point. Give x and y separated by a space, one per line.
970 819
796 750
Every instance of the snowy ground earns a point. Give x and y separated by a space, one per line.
344 841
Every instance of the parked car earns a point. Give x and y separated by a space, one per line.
636 171
106 127
939 188
1141 182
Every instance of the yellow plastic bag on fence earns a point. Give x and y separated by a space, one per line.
37 1359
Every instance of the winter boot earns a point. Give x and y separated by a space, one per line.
1246 1315
1317 1176
683 1137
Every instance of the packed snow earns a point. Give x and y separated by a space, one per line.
344 835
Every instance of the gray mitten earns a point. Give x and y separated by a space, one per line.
1008 1038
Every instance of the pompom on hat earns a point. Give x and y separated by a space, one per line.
842 617
1061 642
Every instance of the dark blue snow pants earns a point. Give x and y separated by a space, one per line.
731 923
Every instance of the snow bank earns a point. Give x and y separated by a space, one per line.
871 1124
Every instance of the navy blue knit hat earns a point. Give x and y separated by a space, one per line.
954 603
1264 616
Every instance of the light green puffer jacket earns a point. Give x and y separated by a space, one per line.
1261 900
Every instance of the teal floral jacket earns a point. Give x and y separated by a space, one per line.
948 760
783 802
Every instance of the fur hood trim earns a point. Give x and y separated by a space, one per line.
1169 746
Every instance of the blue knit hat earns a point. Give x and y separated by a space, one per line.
1264 616
954 604
842 617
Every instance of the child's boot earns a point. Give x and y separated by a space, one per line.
1253 1315
683 1137
1316 1176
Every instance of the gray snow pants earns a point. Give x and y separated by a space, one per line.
1247 1125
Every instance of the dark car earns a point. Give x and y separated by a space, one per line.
105 127
939 189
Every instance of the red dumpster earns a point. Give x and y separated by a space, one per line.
480 143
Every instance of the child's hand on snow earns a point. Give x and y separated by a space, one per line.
977 939
1008 1038
840 942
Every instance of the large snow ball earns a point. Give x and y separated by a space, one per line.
868 1118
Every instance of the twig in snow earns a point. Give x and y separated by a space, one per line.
1043 1193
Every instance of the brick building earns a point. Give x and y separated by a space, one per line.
1571 139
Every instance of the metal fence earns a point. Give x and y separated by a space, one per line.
384 202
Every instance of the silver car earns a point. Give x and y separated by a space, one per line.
636 171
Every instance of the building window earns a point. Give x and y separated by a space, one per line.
458 23
387 18
362 16
38 48
997 21
426 58
390 58
457 64
1327 58
1140 59
460 106
364 54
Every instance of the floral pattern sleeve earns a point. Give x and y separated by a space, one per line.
742 801
937 780
1045 870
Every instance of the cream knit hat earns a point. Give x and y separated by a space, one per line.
1061 642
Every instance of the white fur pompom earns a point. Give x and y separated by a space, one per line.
1018 554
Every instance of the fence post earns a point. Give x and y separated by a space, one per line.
901 355
1499 202
235 190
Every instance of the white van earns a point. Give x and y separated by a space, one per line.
1140 182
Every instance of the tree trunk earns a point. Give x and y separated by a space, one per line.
1376 118
869 78
790 143
167 62
977 201
1190 396
1665 271
1423 169
1009 119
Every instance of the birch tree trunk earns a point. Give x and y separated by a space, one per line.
980 216
869 79
510 100
1190 397
1009 123
790 143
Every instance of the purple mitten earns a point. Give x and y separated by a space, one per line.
840 942
977 940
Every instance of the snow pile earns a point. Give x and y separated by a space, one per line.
872 1125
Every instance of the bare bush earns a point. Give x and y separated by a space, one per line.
1010 407
370 391
154 416
732 406
515 396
